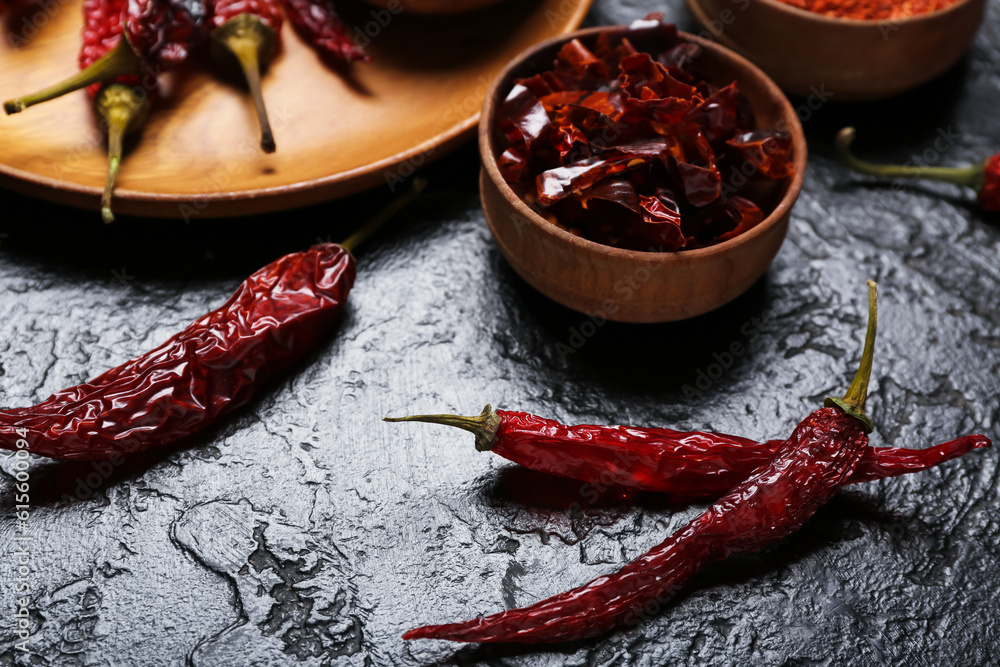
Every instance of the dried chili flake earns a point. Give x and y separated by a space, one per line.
765 151
622 142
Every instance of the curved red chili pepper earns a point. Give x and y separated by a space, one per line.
318 23
686 466
277 316
820 455
214 366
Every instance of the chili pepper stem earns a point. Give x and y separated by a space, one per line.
122 111
484 426
853 402
252 42
969 176
119 61
367 229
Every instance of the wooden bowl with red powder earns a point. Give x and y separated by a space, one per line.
833 57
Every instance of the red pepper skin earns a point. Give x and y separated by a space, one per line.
267 11
686 466
217 364
989 193
164 31
808 468
318 23
102 28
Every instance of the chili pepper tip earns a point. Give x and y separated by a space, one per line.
853 402
484 425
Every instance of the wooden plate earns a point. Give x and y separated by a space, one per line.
337 131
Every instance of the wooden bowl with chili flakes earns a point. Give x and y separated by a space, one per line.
636 285
842 59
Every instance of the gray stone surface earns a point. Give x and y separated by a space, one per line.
305 531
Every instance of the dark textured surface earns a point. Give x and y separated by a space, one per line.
305 531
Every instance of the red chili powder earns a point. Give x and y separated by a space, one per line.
871 10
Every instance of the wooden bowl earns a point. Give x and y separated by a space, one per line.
843 59
432 7
630 285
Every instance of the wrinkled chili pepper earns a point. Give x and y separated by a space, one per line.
120 101
157 34
277 316
871 10
686 466
319 24
248 31
822 453
984 178
624 142
122 39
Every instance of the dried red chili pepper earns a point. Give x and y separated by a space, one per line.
318 23
119 100
822 453
248 31
686 466
772 503
156 33
215 365
871 10
984 178
121 40
163 32
623 143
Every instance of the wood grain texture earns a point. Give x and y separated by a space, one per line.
338 131
853 60
629 285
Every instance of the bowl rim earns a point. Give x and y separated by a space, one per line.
842 20
783 208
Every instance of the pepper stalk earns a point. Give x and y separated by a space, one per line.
121 60
984 177
484 425
252 43
123 110
853 402
351 243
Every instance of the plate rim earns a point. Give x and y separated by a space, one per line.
266 199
